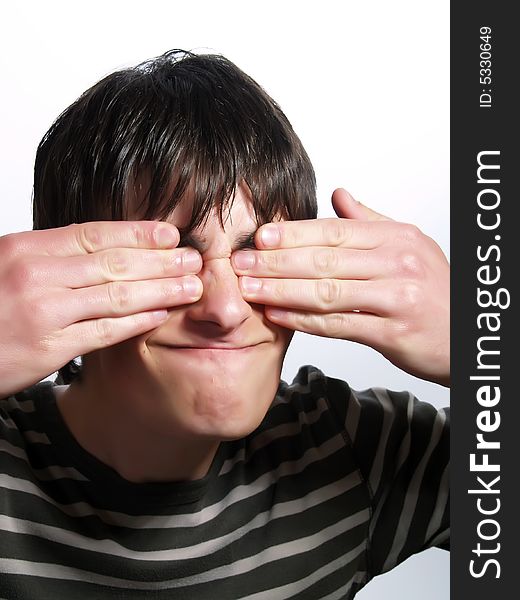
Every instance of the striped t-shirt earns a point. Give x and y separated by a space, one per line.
334 487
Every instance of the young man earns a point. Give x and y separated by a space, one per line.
176 249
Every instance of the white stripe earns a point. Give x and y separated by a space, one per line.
237 568
26 406
388 419
288 591
401 457
50 473
412 494
238 493
53 571
297 388
359 578
36 437
264 438
31 436
9 423
106 546
441 538
12 450
55 472
440 505
352 418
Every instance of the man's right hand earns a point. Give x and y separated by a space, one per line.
72 290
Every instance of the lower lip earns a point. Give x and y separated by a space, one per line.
209 352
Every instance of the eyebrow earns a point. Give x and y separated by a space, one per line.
242 242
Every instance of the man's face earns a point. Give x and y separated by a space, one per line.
212 369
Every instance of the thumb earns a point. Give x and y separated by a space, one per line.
348 208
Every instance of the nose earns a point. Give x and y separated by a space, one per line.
221 306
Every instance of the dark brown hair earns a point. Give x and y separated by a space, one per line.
184 124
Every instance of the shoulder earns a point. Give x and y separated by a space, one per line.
372 421
311 387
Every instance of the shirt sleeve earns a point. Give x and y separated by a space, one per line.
402 448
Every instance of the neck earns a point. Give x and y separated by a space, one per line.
109 429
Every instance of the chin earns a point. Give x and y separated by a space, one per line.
216 397
228 416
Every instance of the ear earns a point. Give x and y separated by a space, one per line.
348 208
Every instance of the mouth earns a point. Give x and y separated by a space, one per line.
221 355
213 347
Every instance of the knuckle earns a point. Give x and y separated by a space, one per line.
325 261
169 290
271 260
335 232
10 245
411 233
172 263
142 237
115 264
21 276
328 292
336 324
119 295
104 332
410 265
89 236
409 297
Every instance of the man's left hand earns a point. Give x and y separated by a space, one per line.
362 277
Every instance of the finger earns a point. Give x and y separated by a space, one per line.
320 295
354 326
120 298
309 263
99 333
121 264
86 238
360 235
347 207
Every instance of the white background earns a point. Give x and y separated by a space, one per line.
365 85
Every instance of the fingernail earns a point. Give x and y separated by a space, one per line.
251 284
192 286
191 260
166 237
244 260
270 235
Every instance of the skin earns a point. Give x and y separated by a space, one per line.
362 277
156 406
114 292
71 290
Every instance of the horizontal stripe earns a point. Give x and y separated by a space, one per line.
13 450
26 406
287 514
441 505
238 493
441 538
291 589
36 437
50 473
412 495
75 540
239 567
284 430
358 578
